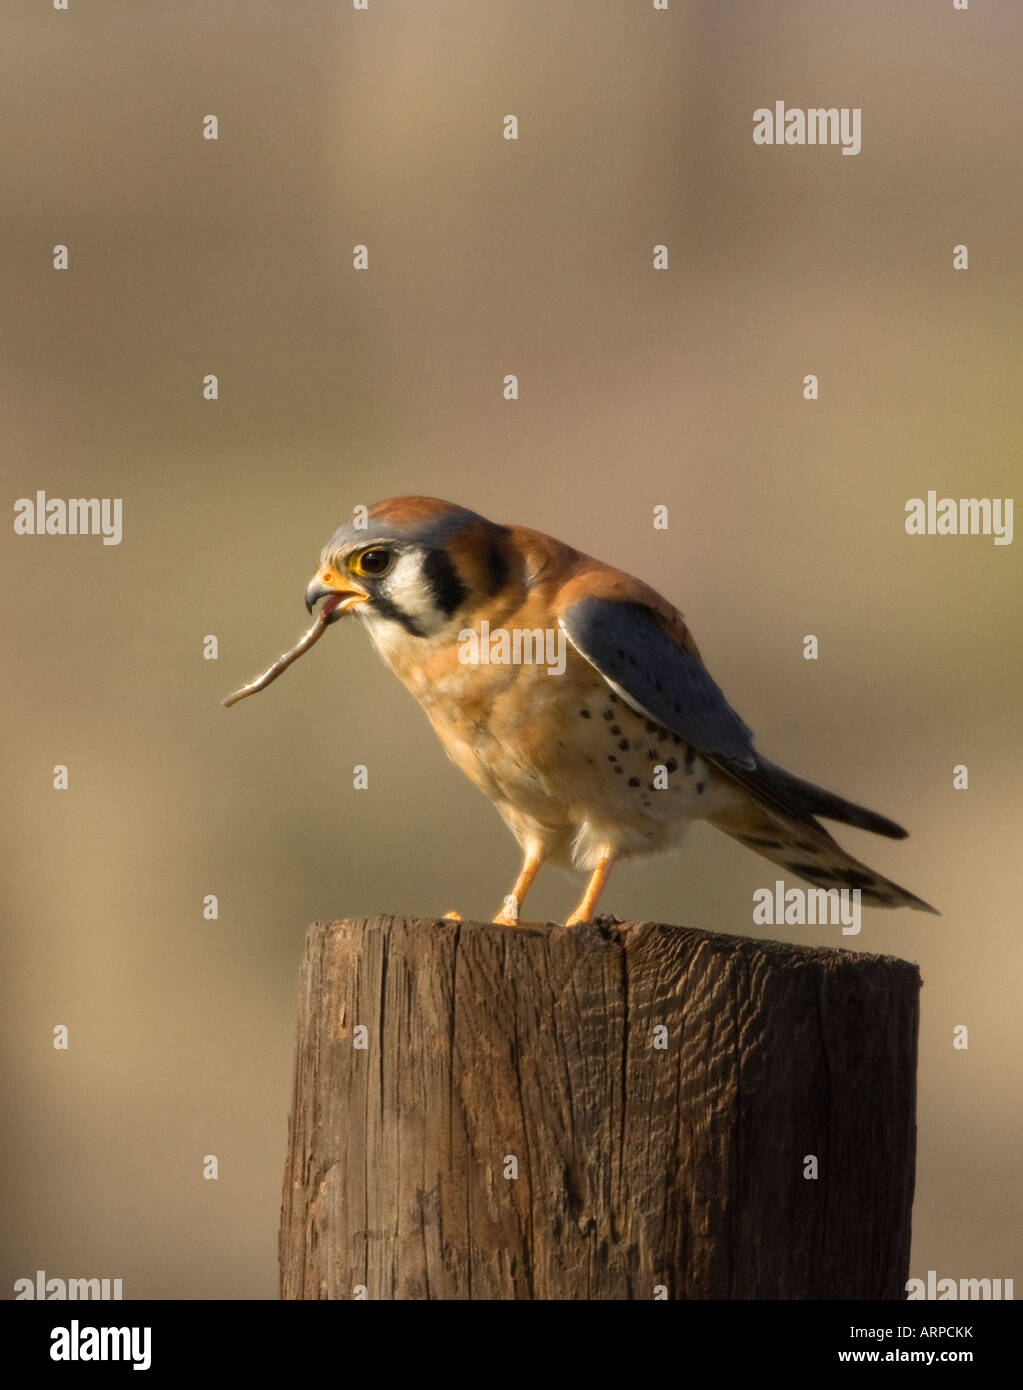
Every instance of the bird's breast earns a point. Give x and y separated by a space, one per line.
556 749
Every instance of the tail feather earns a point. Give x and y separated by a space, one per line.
807 850
818 801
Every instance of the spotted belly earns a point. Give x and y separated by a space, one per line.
636 785
567 762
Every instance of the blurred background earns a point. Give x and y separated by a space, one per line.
337 388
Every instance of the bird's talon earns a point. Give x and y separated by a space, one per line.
452 916
509 914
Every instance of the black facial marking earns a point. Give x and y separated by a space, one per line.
633 781
611 758
387 609
672 765
446 589
497 570
585 713
615 729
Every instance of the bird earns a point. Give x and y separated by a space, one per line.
607 735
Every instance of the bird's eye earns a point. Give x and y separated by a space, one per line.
373 562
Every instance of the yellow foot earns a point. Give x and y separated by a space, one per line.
585 911
452 916
509 914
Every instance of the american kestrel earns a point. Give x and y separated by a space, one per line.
574 696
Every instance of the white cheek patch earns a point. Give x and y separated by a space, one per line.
408 589
391 640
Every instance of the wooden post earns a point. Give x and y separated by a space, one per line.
612 1111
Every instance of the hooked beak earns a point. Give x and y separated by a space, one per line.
340 592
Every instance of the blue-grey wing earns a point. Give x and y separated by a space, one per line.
657 676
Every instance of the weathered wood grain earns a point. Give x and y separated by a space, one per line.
637 1167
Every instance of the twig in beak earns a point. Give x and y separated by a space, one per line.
323 620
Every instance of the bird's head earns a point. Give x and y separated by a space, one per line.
412 566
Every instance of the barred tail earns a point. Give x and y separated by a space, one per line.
806 849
